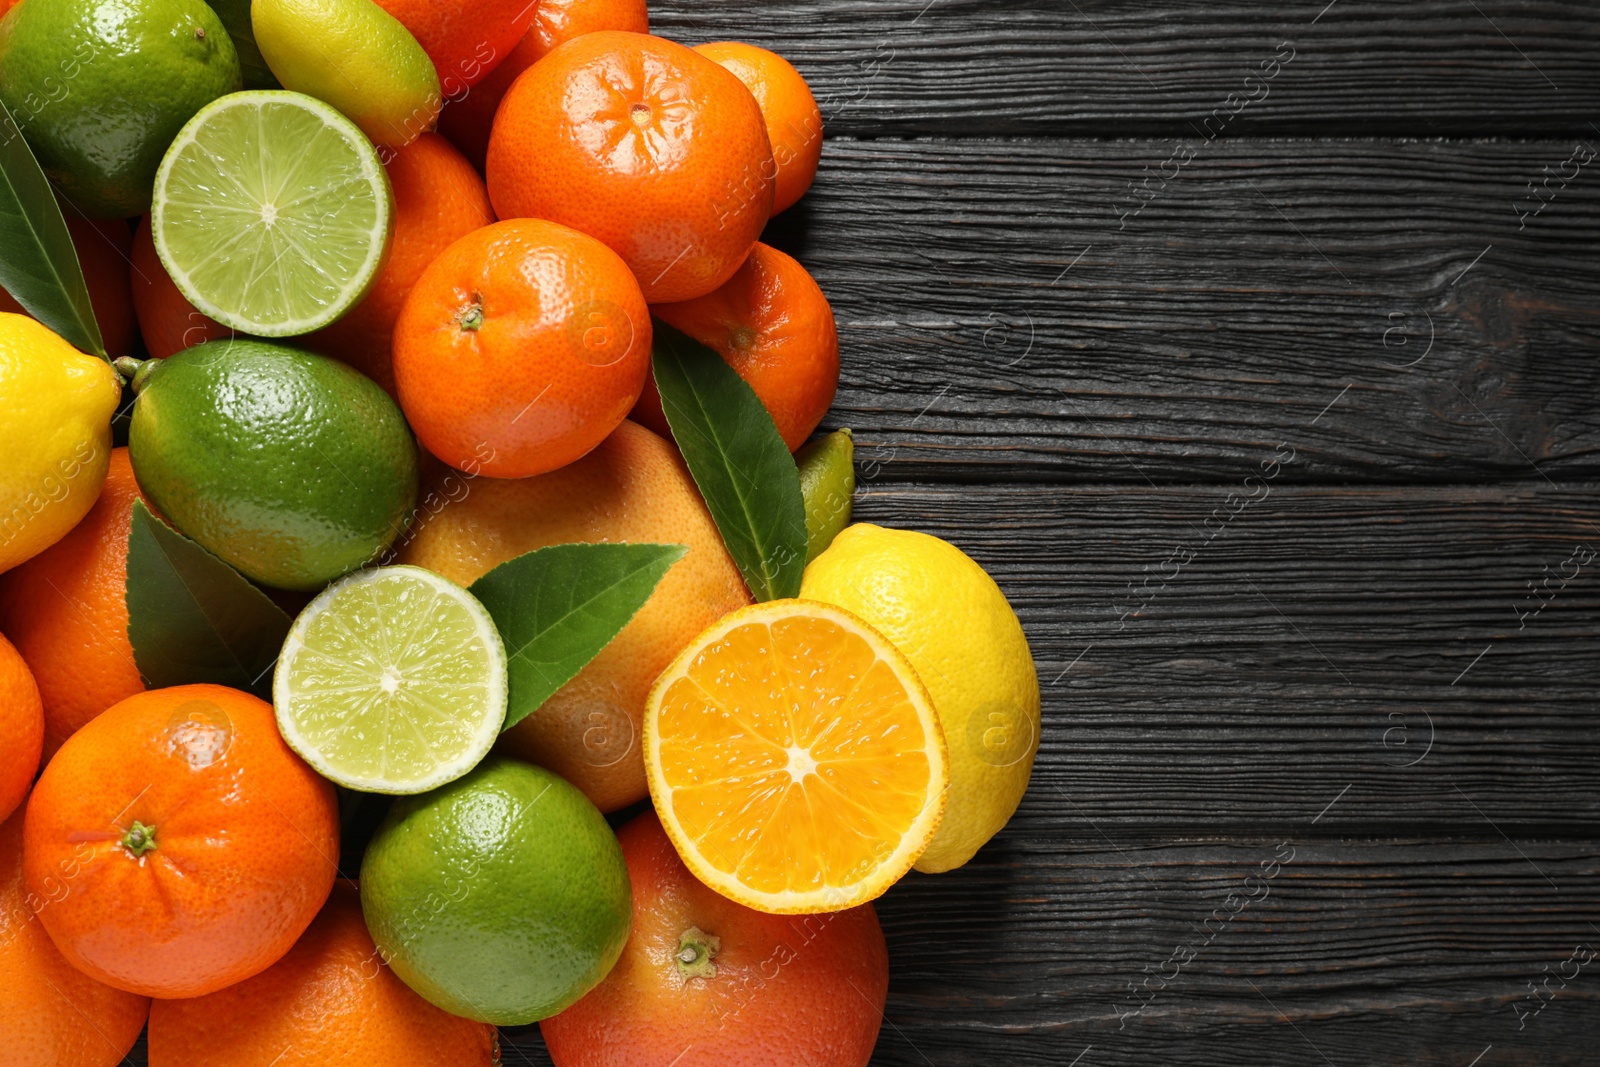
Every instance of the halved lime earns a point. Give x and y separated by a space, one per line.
272 212
392 680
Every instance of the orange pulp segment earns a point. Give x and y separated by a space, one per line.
795 758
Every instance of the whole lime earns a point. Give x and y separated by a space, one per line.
502 897
828 484
100 87
291 467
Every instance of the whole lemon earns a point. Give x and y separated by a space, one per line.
55 437
939 607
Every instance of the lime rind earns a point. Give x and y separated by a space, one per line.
272 212
392 680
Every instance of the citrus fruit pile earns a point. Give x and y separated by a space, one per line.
427 605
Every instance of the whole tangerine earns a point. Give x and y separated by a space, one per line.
21 728
794 122
707 982
773 325
644 144
521 348
178 842
66 609
330 1002
167 321
53 1015
468 119
438 199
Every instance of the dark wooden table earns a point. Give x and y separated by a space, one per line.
1234 340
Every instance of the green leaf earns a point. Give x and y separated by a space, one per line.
744 470
192 618
557 607
38 263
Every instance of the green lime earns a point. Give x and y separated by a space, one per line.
289 466
356 56
392 681
272 213
100 87
827 481
502 897
235 15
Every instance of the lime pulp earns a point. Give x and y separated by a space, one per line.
392 680
272 212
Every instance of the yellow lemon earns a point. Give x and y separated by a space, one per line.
955 626
55 437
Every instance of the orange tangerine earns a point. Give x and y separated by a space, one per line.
182 845
521 318
21 728
795 758
645 145
467 120
330 1002
771 323
52 1014
794 122
66 610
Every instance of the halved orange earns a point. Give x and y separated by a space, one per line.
795 758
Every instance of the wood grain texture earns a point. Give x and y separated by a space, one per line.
1206 674
1001 320
1153 67
1402 952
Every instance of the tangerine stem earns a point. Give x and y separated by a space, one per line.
139 839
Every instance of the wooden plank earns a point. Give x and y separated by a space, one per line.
1154 67
1006 313
1376 644
1401 952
